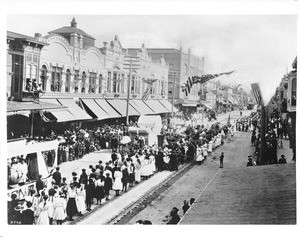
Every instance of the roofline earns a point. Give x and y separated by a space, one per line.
86 34
26 38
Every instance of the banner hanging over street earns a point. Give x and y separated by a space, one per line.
201 79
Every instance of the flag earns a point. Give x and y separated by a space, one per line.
148 89
257 93
201 79
147 92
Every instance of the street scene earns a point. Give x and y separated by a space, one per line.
152 120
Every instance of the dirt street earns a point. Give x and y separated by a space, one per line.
235 194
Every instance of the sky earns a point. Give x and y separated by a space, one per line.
260 48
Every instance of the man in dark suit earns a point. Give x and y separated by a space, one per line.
39 185
57 176
27 216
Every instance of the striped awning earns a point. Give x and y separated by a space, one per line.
141 107
74 109
96 109
168 105
107 108
156 106
121 107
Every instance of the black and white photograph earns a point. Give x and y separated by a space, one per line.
150 119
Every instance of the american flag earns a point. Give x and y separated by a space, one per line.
257 93
148 89
202 79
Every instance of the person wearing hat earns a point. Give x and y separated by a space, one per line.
59 208
83 177
282 160
27 216
175 218
185 206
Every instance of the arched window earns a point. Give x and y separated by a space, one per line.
56 79
44 77
83 82
92 82
68 79
100 84
293 92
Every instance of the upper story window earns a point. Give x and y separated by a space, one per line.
56 79
68 81
108 82
44 77
92 82
83 82
100 83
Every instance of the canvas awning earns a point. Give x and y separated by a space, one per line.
96 109
168 105
141 107
74 109
121 107
156 106
189 104
14 106
107 108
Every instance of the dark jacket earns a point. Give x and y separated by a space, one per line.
27 217
57 177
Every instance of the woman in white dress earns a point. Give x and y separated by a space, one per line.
60 206
42 211
210 148
117 186
199 155
204 149
146 170
138 167
80 200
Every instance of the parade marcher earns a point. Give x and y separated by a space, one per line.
125 179
159 160
117 186
99 189
42 212
199 158
131 174
221 160
59 209
57 176
80 199
90 190
138 167
107 186
71 203
83 177
39 184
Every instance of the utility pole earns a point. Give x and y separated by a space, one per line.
132 66
173 94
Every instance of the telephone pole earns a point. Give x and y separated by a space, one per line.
129 63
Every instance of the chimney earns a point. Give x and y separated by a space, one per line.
74 23
104 48
116 37
37 36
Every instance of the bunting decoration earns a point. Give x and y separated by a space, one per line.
201 79
149 88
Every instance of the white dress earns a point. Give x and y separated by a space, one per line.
43 218
118 181
80 200
199 154
60 206
138 168
210 145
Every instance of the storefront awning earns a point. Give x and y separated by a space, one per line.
62 115
168 105
121 107
156 106
14 106
107 108
96 109
74 109
141 107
